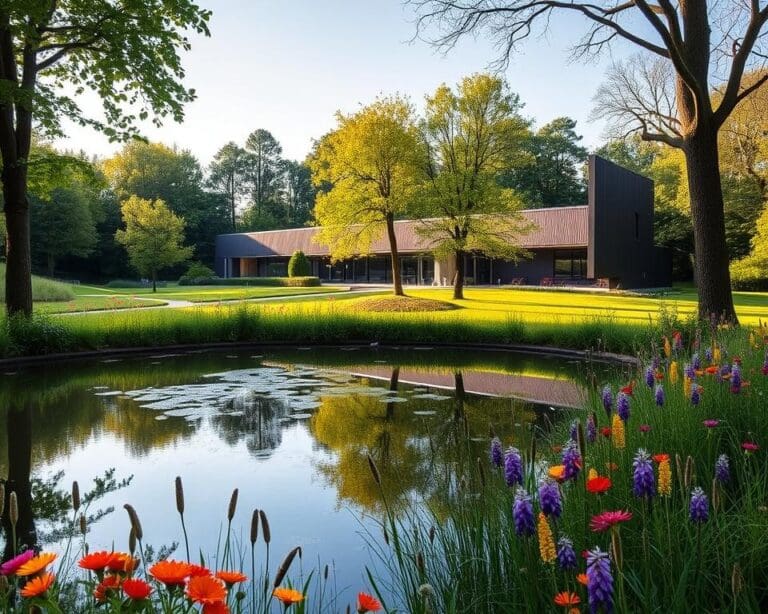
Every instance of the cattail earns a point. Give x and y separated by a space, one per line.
265 527
349 610
232 505
374 470
132 541
179 496
737 580
386 535
325 572
420 562
679 467
432 535
83 525
254 527
285 565
689 473
13 509
481 472
135 524
75 496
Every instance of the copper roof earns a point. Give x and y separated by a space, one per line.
553 227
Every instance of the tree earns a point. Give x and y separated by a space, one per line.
228 174
371 162
631 152
153 236
552 174
753 268
297 193
264 165
690 39
471 136
51 51
298 265
156 171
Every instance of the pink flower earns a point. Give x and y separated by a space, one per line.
11 567
748 446
710 424
644 428
605 520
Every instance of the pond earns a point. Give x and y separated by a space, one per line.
290 428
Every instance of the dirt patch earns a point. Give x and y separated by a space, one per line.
402 304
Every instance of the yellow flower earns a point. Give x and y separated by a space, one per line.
665 478
716 355
673 372
667 348
687 385
617 433
546 542
592 474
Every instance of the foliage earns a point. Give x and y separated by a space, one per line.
42 289
228 174
551 174
153 236
751 272
299 266
287 282
264 167
196 271
471 136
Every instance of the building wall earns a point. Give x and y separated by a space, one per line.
531 271
621 244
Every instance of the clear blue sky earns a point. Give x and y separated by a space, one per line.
288 65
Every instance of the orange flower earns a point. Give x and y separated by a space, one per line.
103 588
96 561
712 370
123 562
36 565
170 573
216 608
367 603
198 570
660 458
567 599
598 485
206 589
38 585
136 588
231 577
582 579
611 466
288 596
557 472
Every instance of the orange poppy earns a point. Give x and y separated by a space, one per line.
660 458
206 589
96 561
38 585
288 596
598 485
557 472
216 608
103 588
137 589
567 599
582 579
367 603
170 573
36 564
712 370
231 577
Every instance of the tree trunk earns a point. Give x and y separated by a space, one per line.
458 276
18 272
154 281
706 193
396 279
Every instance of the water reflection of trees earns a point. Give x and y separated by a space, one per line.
257 420
425 456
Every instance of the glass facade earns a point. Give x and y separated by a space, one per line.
570 264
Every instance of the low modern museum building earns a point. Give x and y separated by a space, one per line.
607 242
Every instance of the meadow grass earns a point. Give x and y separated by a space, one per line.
42 289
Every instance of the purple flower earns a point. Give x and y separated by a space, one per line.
566 555
696 362
723 469
599 581
591 428
549 499
689 372
649 377
710 423
695 394
622 406
656 363
708 355
643 480
571 460
513 467
736 378
522 514
699 508
725 370
659 395
574 431
607 399
496 453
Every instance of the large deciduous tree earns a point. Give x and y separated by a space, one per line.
371 162
153 236
695 41
125 51
471 136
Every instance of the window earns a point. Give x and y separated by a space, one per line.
571 264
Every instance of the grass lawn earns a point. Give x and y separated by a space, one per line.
94 303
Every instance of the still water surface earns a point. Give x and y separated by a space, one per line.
289 428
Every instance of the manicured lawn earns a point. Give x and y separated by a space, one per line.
94 303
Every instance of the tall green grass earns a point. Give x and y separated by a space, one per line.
42 289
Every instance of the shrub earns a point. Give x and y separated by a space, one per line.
746 276
299 266
287 282
133 283
196 270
